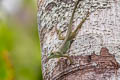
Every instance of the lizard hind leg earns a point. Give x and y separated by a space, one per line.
59 33
73 34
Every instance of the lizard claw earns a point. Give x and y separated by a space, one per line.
69 58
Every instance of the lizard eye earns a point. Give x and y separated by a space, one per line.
52 53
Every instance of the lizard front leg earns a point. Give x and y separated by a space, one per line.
68 57
59 55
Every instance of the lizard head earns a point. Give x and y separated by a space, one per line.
53 55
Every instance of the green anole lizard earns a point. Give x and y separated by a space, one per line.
68 39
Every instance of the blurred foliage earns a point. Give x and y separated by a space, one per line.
6 44
20 57
6 37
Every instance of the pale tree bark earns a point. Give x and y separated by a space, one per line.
96 48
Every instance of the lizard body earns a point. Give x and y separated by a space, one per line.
68 39
69 31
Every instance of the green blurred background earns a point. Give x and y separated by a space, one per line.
20 57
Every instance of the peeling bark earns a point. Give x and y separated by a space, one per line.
95 50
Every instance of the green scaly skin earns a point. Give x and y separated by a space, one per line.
68 39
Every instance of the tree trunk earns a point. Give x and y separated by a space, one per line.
96 48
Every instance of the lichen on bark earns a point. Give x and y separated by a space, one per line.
101 30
